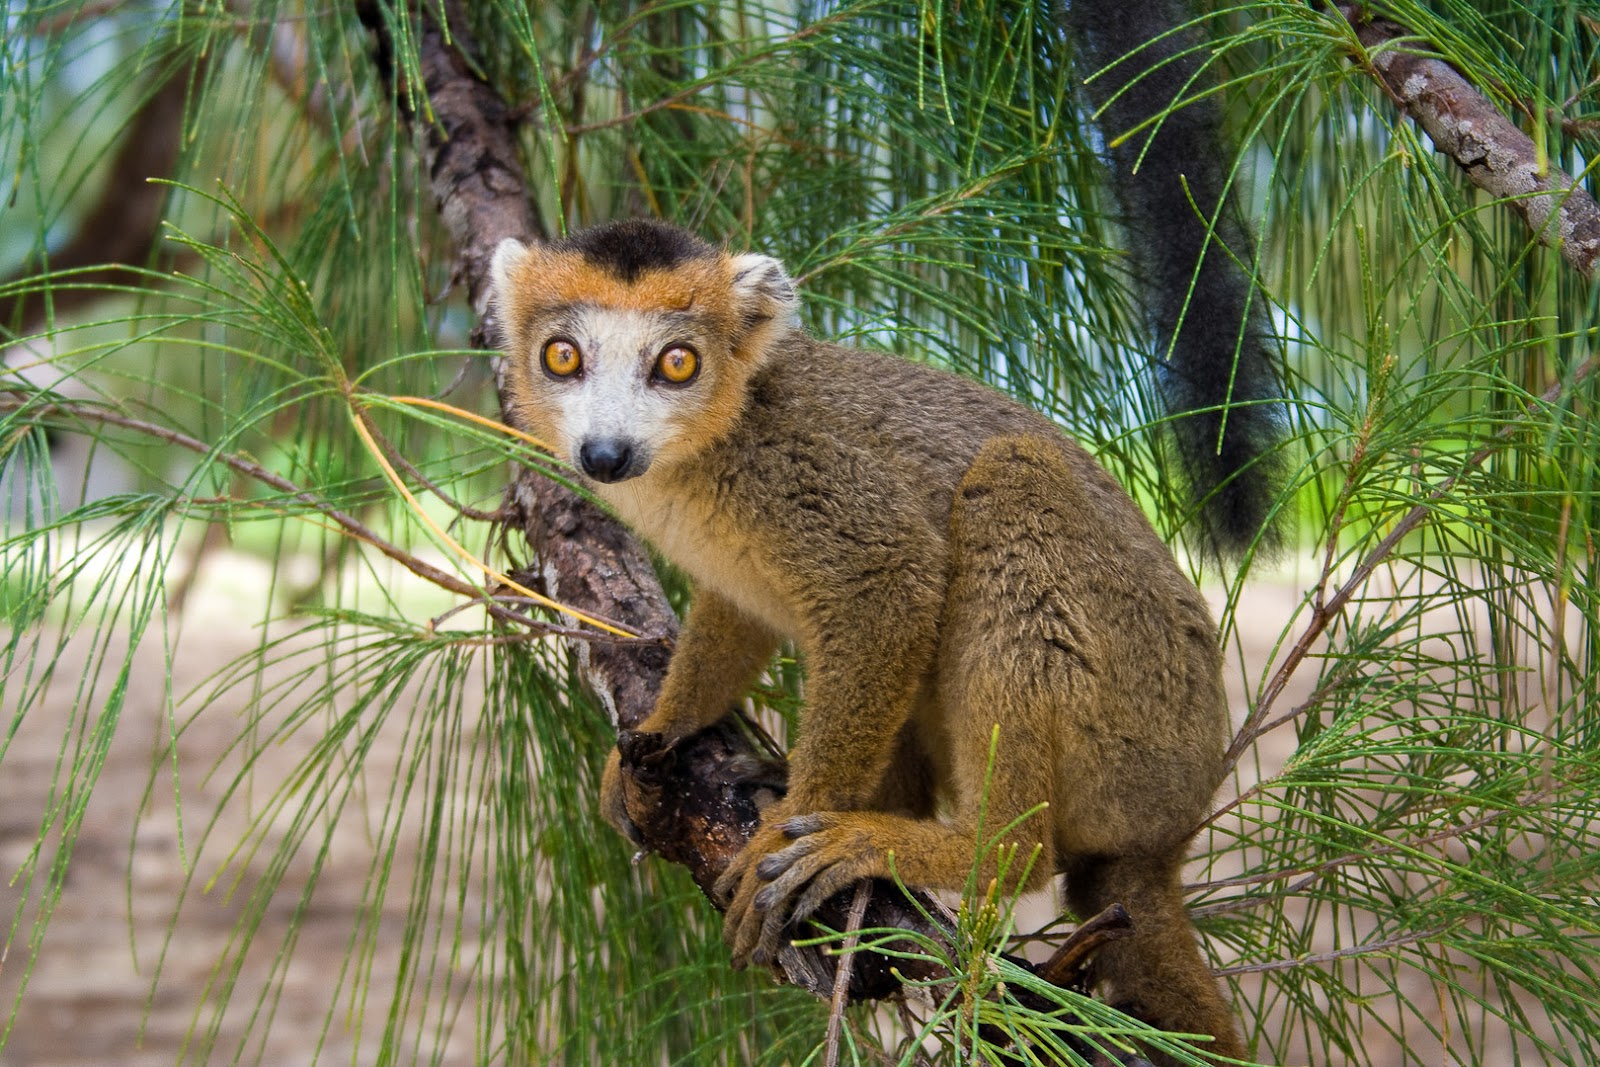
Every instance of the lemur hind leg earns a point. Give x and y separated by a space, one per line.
1117 663
998 668
1071 633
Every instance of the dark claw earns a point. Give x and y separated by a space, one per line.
763 899
824 886
775 864
772 928
759 957
724 889
635 836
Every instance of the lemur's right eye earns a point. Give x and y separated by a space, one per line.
561 359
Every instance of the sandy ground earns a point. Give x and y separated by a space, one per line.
90 998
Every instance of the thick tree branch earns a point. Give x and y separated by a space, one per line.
1496 156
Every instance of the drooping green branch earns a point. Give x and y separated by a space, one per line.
1325 608
120 231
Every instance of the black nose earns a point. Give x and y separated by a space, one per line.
607 459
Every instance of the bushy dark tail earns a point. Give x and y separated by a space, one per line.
1219 380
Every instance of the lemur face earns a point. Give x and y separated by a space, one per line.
630 345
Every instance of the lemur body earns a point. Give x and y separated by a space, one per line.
945 559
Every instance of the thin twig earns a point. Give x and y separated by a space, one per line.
364 429
1322 615
1312 959
349 523
1069 964
841 977
912 1025
394 455
497 605
1307 875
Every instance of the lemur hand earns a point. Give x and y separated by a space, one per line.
612 802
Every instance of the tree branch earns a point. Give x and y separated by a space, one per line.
1496 156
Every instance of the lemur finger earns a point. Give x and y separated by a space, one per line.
823 886
804 889
771 866
801 825
795 873
743 931
728 884
734 924
766 842
775 902
770 936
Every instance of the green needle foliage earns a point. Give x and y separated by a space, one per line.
1407 864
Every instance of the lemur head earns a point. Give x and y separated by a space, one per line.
632 344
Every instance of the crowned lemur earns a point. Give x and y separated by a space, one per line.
946 560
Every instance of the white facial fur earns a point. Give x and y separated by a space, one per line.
616 396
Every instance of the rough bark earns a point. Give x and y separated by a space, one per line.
1496 156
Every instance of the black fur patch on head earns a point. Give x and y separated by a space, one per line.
633 246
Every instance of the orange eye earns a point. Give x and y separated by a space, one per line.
561 359
677 365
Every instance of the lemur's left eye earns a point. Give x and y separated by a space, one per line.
562 359
677 365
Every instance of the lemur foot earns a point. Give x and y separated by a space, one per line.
786 872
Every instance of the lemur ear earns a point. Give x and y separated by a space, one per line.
763 293
507 255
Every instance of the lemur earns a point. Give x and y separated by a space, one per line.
946 560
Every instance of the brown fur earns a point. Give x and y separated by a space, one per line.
947 562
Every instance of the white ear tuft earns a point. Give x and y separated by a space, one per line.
507 254
763 290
